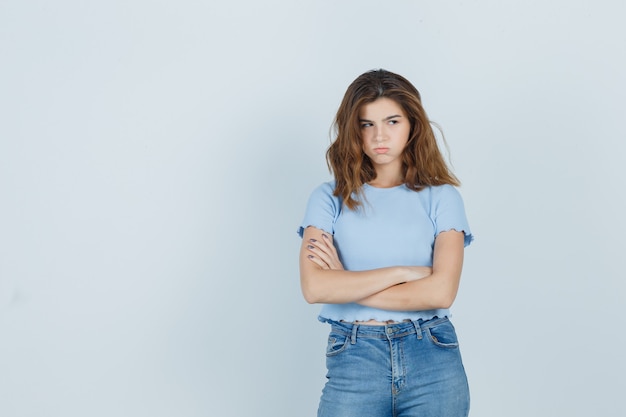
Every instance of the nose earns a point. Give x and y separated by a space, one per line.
380 134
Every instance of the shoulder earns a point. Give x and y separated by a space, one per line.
324 191
444 189
322 208
448 211
326 187
445 192
445 198
322 197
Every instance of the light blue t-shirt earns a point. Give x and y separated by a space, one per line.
394 226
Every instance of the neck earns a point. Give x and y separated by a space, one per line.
386 179
381 184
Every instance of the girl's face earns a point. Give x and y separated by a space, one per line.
385 132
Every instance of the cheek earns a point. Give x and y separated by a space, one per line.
407 135
363 141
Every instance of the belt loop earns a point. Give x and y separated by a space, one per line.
418 329
353 337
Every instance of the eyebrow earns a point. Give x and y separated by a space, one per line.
384 120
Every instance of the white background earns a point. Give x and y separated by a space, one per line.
156 158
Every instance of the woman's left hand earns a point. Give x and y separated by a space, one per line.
324 253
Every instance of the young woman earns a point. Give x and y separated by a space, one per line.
382 250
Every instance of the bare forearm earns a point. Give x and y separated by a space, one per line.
324 280
340 286
428 293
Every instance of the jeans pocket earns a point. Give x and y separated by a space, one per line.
337 343
443 335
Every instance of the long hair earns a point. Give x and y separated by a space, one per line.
422 162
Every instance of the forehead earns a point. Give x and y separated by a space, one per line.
381 108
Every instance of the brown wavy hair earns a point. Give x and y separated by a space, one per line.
422 161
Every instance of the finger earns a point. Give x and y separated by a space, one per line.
329 244
320 253
318 262
319 248
332 251
326 253
325 245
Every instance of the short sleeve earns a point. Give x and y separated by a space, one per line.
322 209
449 212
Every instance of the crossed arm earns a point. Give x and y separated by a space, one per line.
324 280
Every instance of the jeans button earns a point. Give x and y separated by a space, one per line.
389 330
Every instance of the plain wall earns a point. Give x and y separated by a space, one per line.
156 159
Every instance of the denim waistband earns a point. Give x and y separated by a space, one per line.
390 330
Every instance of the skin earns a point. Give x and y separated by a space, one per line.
384 132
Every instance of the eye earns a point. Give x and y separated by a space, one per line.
364 125
393 122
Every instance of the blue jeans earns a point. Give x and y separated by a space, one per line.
406 369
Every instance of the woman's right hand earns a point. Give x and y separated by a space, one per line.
324 253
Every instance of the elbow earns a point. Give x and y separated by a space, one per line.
446 304
445 299
313 298
444 293
309 297
310 294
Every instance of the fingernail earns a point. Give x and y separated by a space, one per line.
311 247
310 256
324 236
312 240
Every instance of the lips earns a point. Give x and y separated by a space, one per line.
381 150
